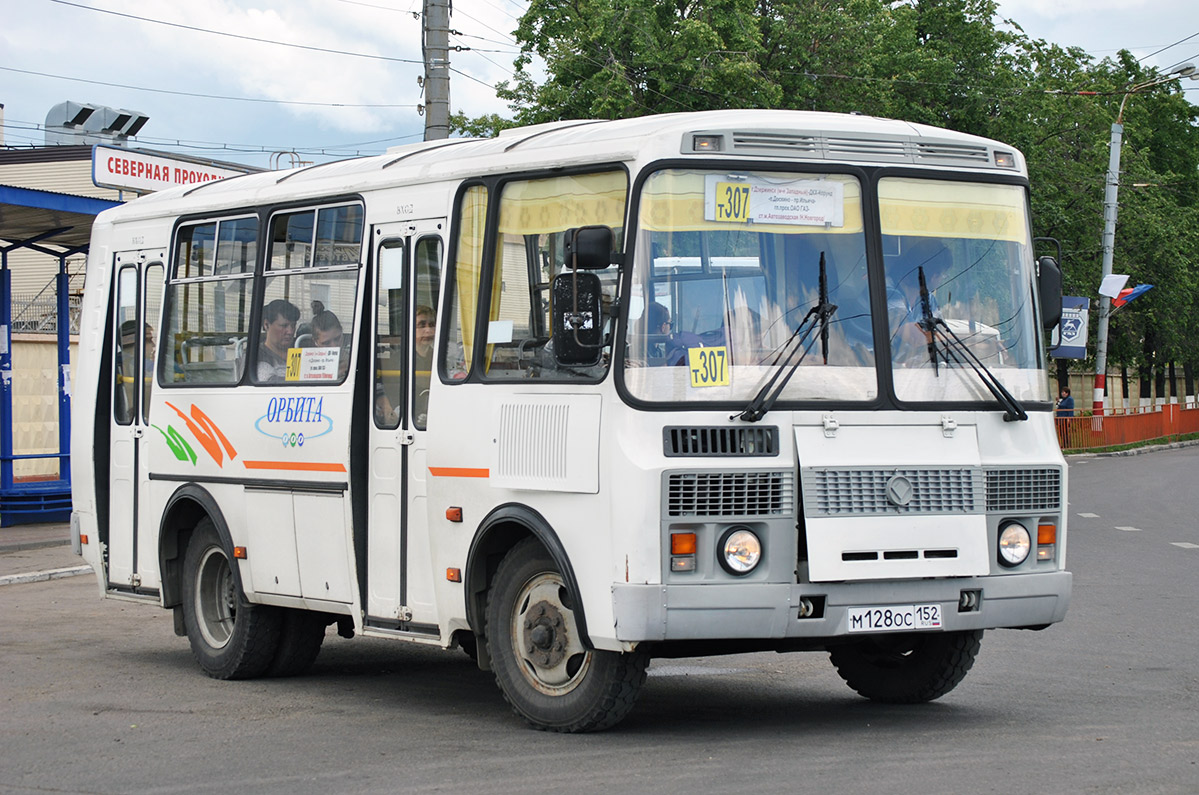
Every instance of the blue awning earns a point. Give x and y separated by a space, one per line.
45 218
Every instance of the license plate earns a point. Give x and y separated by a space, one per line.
894 618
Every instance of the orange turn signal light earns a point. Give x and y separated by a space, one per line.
239 553
682 543
83 539
453 575
453 514
1046 534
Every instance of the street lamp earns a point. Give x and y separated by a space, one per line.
1109 226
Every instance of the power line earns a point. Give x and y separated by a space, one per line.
1163 49
218 146
238 35
203 96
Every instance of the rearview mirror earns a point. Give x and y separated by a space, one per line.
578 319
589 247
1049 285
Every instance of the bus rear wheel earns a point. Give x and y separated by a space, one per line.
541 662
907 669
301 634
230 638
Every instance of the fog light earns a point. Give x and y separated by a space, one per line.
1014 543
740 550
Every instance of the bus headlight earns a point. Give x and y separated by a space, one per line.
740 550
1014 543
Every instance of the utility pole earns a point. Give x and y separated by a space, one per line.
1110 207
436 50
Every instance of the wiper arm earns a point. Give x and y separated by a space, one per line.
816 316
957 351
928 321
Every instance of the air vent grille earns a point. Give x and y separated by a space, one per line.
867 148
844 492
730 494
783 143
960 153
1024 490
717 442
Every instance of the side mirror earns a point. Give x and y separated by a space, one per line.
589 248
578 322
1049 285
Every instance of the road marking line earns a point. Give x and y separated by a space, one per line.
1089 515
42 576
1185 544
1130 529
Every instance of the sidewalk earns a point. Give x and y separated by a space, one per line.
36 552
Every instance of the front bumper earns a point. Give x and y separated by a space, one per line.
719 611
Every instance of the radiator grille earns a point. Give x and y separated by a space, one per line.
842 492
1023 490
680 442
738 494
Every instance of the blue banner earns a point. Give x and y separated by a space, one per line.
1070 338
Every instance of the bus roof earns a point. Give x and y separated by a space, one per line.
764 135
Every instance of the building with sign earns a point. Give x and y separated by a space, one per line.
48 198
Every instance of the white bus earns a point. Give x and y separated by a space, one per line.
582 395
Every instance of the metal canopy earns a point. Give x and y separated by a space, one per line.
59 225
31 217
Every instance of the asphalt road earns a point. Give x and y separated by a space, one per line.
101 697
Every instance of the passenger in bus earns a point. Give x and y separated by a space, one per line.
327 333
422 359
306 326
279 319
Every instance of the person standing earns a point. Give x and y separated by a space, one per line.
1065 403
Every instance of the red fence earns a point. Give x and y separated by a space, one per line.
1086 433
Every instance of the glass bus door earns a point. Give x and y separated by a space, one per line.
137 301
406 292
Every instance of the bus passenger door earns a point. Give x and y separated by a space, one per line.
399 558
136 304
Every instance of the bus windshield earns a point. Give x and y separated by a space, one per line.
740 274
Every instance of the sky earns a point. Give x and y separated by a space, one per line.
269 104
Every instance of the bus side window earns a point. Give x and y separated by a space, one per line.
389 337
427 256
207 317
125 350
313 263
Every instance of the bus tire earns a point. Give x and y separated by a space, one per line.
230 638
907 669
542 666
301 634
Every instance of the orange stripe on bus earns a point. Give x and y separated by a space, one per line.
295 466
459 472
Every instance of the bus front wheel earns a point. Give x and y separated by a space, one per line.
541 663
230 638
907 669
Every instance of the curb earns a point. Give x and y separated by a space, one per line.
22 546
1150 448
42 576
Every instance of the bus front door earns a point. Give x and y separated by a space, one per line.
399 556
137 299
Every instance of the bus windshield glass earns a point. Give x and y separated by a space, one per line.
742 276
731 271
969 244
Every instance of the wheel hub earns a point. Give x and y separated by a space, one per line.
545 636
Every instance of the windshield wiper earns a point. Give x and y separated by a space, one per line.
816 316
959 353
